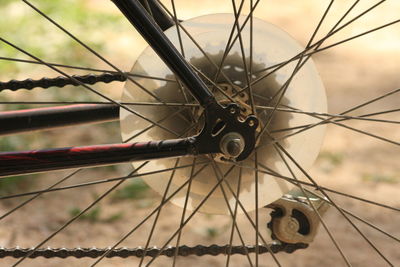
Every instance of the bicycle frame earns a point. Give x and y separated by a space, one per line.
14 163
155 37
53 117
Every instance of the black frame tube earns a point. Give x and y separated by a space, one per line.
151 32
53 117
163 20
25 162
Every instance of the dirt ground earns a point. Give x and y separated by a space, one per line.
350 162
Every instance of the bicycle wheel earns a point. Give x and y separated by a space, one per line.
274 200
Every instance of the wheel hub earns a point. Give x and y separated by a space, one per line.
271 46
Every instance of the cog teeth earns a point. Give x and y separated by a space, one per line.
269 226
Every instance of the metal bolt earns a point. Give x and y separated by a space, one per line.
232 144
292 226
234 147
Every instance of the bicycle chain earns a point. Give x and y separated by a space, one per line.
61 81
199 250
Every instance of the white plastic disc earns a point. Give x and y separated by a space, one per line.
271 46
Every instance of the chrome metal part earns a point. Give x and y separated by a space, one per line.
294 220
232 145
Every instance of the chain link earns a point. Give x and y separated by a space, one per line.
61 81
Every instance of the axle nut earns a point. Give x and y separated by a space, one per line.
232 144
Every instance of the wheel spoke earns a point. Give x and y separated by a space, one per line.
256 201
231 43
291 180
72 220
304 190
137 226
324 121
213 83
86 68
373 100
232 214
99 103
317 44
158 212
234 225
181 87
299 182
179 25
107 180
356 217
86 86
100 57
269 171
251 59
53 187
354 37
87 47
332 238
38 194
370 225
178 239
149 215
246 70
358 131
340 118
220 176
152 126
281 92
175 17
333 203
206 56
249 80
320 23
